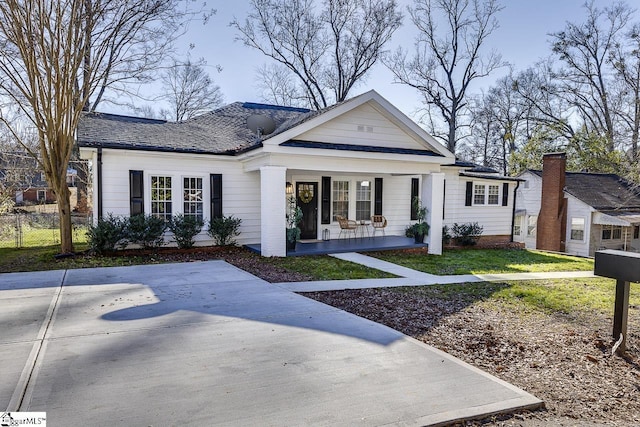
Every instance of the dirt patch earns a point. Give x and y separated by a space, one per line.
565 361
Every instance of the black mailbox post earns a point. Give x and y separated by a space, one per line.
625 268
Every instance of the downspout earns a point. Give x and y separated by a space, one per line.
99 183
513 211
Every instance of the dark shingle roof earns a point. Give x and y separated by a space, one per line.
223 131
602 191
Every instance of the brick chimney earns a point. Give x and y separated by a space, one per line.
552 219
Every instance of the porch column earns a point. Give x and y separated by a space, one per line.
272 211
433 197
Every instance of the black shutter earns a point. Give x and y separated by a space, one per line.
136 192
469 195
415 187
326 200
377 204
444 195
505 194
216 195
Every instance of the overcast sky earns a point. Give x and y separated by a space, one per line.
522 39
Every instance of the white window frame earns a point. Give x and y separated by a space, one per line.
170 200
359 192
485 188
352 201
44 195
477 195
517 225
532 231
582 229
613 229
489 194
184 203
340 191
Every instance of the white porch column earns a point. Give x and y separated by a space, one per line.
273 181
433 197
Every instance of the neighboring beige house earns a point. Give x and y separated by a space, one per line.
586 211
357 158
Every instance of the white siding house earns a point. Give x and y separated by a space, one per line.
477 194
356 158
602 212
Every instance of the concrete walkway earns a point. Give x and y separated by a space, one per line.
410 277
205 343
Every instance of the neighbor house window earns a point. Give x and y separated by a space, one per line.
517 225
636 232
363 200
478 194
161 197
42 195
617 233
340 199
577 229
611 232
193 203
532 222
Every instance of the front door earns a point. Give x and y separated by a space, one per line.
307 199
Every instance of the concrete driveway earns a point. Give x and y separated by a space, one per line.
209 344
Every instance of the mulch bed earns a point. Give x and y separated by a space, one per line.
566 362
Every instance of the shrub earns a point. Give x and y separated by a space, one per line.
446 235
146 230
184 229
466 234
224 229
107 233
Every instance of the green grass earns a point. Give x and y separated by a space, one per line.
486 261
567 296
324 267
33 237
43 258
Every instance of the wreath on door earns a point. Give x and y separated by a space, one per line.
305 195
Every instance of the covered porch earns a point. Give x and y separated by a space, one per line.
335 246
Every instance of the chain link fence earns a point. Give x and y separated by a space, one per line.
38 229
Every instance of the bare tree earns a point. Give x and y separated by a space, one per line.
626 61
585 80
448 59
327 52
277 85
56 55
189 90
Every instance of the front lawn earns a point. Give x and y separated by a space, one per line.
486 261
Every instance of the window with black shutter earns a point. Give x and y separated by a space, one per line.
325 201
415 187
136 192
216 195
505 194
377 203
468 197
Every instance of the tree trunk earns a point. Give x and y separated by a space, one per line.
64 211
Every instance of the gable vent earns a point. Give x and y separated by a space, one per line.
363 128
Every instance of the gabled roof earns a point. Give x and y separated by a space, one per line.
222 131
225 131
602 191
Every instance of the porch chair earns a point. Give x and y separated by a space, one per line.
347 226
378 222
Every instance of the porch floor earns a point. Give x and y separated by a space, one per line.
335 246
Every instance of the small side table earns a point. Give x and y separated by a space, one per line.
362 227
